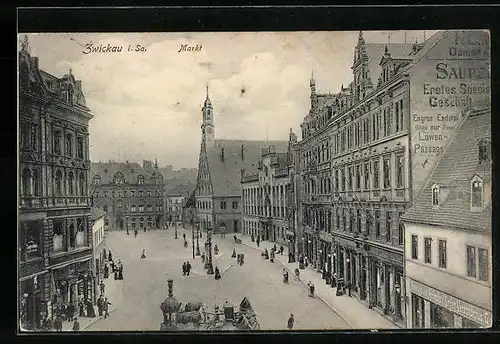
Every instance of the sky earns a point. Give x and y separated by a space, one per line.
147 104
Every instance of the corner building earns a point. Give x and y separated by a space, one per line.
131 195
55 231
361 162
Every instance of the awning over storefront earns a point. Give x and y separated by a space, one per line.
63 264
25 278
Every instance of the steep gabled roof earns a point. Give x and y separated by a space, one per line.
376 51
96 213
458 165
130 171
225 172
182 190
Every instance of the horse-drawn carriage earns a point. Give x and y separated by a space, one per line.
244 319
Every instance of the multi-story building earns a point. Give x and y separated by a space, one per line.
265 193
55 251
448 235
368 149
221 164
98 235
174 203
130 196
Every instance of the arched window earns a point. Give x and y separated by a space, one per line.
476 192
82 184
118 178
69 145
71 181
26 178
435 195
36 184
59 183
97 180
140 180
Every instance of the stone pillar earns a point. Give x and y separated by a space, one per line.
458 320
427 314
392 291
385 289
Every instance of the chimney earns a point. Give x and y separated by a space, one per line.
242 151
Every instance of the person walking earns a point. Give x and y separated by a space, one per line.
100 301
217 273
281 249
297 274
258 240
184 236
184 269
106 304
103 287
144 229
110 256
234 253
291 320
348 285
143 255
106 271
76 325
188 268
58 323
135 233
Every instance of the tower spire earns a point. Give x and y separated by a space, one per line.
206 86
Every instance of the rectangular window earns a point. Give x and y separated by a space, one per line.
389 121
336 180
105 208
141 208
399 171
132 208
401 232
349 178
388 229
57 142
471 261
414 247
396 110
34 137
442 254
368 222
428 250
69 145
483 264
376 175
387 173
377 223
358 177
80 148
385 122
223 204
149 193
366 176
342 179
401 115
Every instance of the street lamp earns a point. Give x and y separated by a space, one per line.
175 232
209 265
192 235
197 238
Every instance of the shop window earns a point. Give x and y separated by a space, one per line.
414 247
31 236
441 317
428 250
442 254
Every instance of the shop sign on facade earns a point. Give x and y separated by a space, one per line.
457 306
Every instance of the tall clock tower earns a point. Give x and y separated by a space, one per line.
207 127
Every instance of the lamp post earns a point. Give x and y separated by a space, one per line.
210 268
175 237
192 235
197 238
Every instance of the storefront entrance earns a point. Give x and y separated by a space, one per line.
31 305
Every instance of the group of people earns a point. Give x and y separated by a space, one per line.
186 268
103 306
116 268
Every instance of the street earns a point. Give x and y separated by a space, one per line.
145 287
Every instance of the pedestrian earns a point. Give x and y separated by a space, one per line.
217 273
70 312
143 255
291 320
76 325
184 269
58 323
82 309
348 285
234 253
289 257
104 254
306 261
90 309
258 240
135 233
297 274
106 271
110 256
144 229
112 266
216 250
106 304
203 257
274 247
120 271
253 238
188 268
100 301
281 249
184 236
103 287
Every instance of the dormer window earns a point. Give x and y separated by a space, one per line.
484 148
97 180
69 94
435 195
118 178
476 194
140 180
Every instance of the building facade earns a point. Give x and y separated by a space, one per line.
368 149
131 197
221 164
55 245
448 235
98 244
264 195
175 200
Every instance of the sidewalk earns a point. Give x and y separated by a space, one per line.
351 310
113 291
